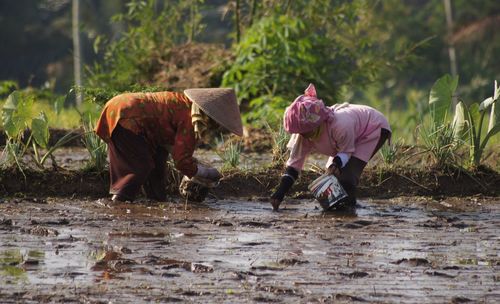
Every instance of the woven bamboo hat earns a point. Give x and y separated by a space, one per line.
220 104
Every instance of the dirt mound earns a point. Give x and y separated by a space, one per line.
191 65
375 183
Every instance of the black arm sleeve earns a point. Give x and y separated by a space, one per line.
286 183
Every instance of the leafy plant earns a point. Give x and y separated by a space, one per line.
441 143
280 140
271 58
469 122
391 153
96 147
287 46
17 116
230 154
7 87
152 27
438 135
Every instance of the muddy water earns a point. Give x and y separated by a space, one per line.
406 250
73 158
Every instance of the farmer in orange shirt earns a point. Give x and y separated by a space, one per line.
140 130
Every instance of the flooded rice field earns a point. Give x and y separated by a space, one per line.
404 250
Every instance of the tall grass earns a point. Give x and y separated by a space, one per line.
440 142
280 139
230 153
391 153
95 146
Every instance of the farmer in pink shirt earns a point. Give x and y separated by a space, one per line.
349 134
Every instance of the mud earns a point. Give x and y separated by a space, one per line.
402 250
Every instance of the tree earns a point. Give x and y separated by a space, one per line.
77 49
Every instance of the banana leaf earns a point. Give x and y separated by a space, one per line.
440 97
40 130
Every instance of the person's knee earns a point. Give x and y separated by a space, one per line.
348 182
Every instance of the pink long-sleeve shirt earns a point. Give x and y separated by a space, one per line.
352 129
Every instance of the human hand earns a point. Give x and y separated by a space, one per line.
275 203
209 173
333 170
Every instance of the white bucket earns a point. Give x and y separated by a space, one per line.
327 190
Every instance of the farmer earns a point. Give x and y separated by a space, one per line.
350 134
141 129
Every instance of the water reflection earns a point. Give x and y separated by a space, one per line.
14 264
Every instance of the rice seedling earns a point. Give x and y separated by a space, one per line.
230 153
392 152
280 140
95 146
440 142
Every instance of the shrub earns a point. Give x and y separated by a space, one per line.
469 121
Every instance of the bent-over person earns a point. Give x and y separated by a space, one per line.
142 129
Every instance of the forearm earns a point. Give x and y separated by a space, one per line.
286 182
340 160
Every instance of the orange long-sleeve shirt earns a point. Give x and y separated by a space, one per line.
162 118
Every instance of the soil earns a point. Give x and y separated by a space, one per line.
375 183
417 235
402 250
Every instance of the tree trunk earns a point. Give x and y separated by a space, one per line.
252 12
77 58
451 46
237 21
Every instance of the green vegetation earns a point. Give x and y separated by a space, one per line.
386 54
392 152
469 122
437 134
230 153
152 28
96 148
280 140
17 116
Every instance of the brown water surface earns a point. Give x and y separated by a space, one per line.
405 250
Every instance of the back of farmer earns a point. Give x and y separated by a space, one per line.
141 129
349 134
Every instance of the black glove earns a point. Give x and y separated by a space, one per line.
286 183
335 167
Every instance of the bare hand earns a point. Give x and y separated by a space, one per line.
208 173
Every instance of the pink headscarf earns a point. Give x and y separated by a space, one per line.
306 112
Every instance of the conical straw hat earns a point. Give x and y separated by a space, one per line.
220 104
